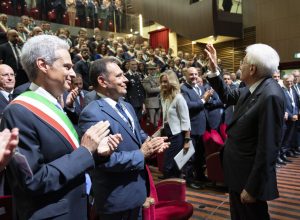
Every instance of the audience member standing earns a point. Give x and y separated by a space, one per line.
7 84
53 184
196 97
10 55
71 9
135 90
176 121
254 134
119 185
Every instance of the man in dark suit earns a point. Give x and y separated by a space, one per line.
74 100
119 185
10 54
135 90
254 134
83 66
52 184
228 109
196 98
7 84
291 117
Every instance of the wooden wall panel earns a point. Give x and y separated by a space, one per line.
231 52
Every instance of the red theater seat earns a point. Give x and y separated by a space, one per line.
213 145
167 200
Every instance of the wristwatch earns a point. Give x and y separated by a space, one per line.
187 139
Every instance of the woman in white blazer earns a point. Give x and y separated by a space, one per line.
176 121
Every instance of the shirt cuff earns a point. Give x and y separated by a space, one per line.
211 74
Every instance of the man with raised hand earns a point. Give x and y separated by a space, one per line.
254 133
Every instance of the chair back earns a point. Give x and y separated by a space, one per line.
6 208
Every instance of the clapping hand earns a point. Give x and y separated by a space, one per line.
154 145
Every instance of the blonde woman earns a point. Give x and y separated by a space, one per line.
71 10
176 121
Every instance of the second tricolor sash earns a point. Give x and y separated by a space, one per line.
49 113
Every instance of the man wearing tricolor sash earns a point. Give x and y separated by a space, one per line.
47 172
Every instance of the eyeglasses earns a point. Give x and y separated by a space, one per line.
8 75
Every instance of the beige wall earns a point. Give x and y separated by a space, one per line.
277 24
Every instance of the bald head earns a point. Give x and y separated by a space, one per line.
12 36
191 75
7 78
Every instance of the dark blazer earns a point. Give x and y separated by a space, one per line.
83 68
254 137
90 96
289 107
3 103
120 183
135 90
57 189
214 110
8 57
196 109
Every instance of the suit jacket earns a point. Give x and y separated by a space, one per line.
8 57
196 109
152 89
290 109
135 90
3 103
254 137
214 110
57 189
177 115
120 183
83 68
89 97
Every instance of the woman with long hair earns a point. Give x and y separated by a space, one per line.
176 121
101 51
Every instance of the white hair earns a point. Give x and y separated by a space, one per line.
41 46
264 57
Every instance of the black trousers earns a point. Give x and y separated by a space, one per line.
251 211
131 214
170 168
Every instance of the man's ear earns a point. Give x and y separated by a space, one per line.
42 65
102 82
253 69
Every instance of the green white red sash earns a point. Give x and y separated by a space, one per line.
49 113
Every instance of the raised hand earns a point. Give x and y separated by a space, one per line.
212 57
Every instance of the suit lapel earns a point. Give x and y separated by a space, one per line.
244 105
112 113
3 99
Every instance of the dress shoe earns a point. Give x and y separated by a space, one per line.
290 154
196 186
280 161
296 152
162 177
284 158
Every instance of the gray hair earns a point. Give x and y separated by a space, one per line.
264 57
42 46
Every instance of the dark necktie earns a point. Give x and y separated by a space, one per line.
121 110
17 55
81 101
10 97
